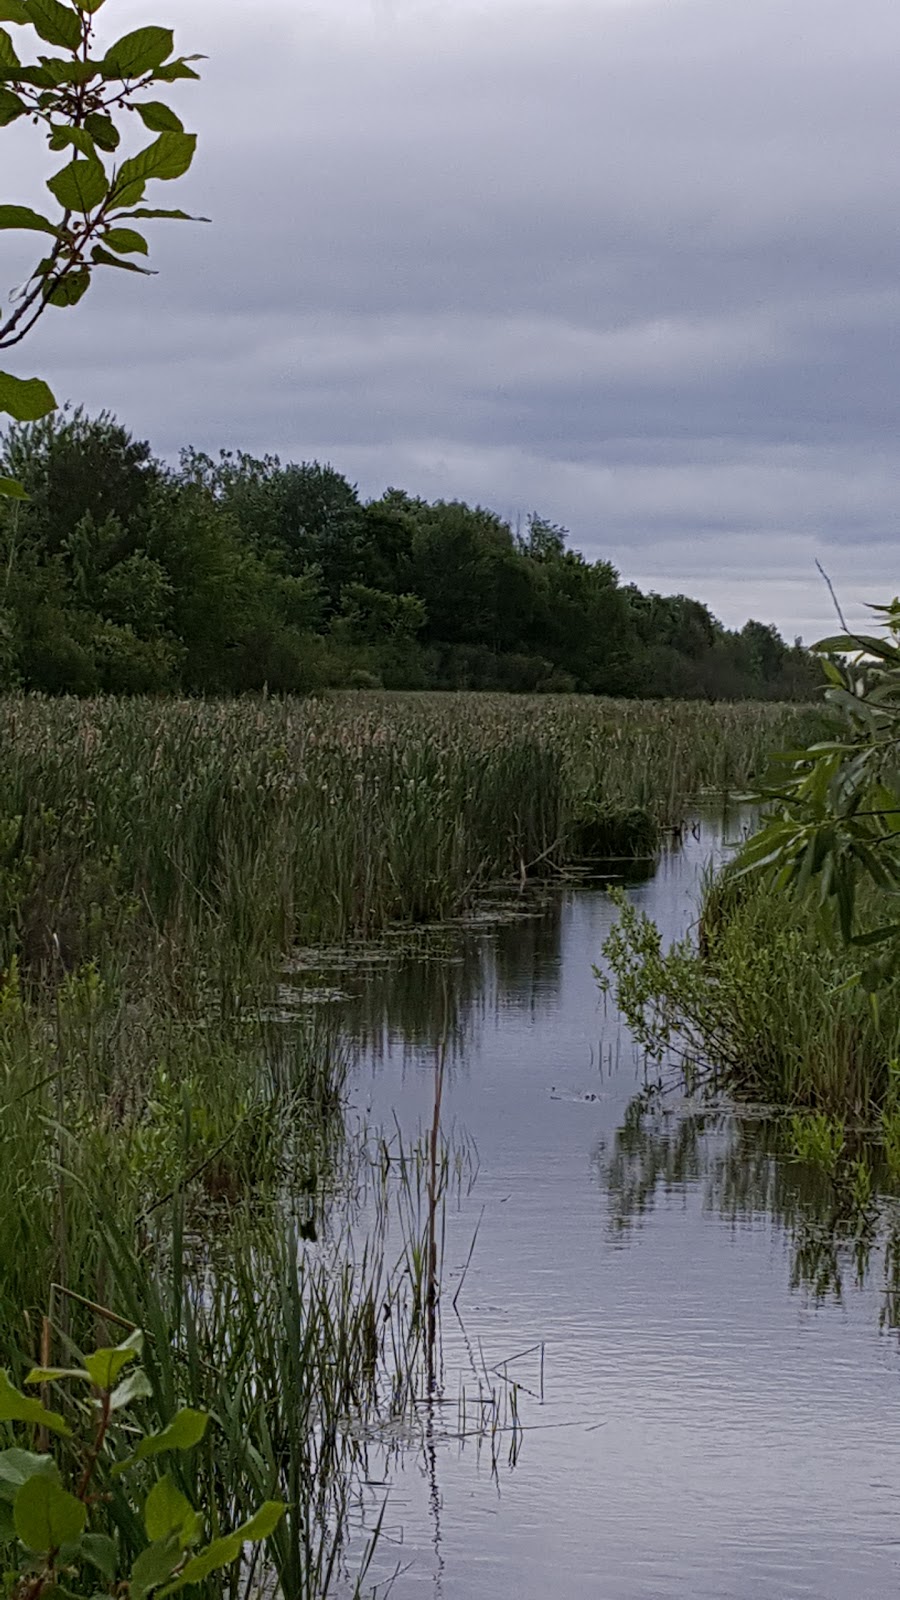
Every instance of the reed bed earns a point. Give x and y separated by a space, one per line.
199 1182
244 828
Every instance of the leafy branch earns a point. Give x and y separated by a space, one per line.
44 1525
834 807
77 96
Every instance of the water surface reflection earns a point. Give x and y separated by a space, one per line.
693 1426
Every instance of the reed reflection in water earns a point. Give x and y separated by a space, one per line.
695 1429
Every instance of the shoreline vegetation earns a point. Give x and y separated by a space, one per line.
122 574
788 995
759 1004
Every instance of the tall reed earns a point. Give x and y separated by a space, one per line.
237 829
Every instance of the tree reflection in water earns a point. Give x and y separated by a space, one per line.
742 1163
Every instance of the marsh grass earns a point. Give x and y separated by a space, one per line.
201 837
292 1307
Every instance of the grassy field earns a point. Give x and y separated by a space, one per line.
173 1158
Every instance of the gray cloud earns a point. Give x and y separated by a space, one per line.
633 264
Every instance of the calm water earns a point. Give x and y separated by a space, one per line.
710 1405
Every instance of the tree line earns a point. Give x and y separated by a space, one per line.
122 574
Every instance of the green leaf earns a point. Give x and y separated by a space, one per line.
127 241
153 1566
186 1430
11 489
80 186
16 1407
168 1514
102 258
222 1552
13 11
53 1374
46 1515
128 194
24 217
169 156
105 1366
41 77
853 643
102 130
177 216
838 643
101 1552
55 23
17 1466
136 53
178 69
62 138
70 289
159 118
136 1386
8 56
11 107
60 70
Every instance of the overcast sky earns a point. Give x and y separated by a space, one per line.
631 263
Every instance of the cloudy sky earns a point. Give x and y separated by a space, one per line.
631 263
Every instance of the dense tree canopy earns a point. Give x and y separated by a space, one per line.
121 574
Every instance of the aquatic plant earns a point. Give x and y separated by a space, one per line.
756 1002
818 1139
201 837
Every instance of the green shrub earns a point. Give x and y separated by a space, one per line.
89 1518
759 1002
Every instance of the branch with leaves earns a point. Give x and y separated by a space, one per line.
834 807
83 99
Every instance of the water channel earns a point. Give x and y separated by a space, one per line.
708 1388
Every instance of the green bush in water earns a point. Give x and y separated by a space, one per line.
757 1001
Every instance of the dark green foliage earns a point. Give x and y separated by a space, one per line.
120 575
604 832
49 1532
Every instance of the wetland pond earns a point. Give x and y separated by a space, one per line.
707 1382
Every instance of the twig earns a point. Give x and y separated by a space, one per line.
834 599
840 615
465 1269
